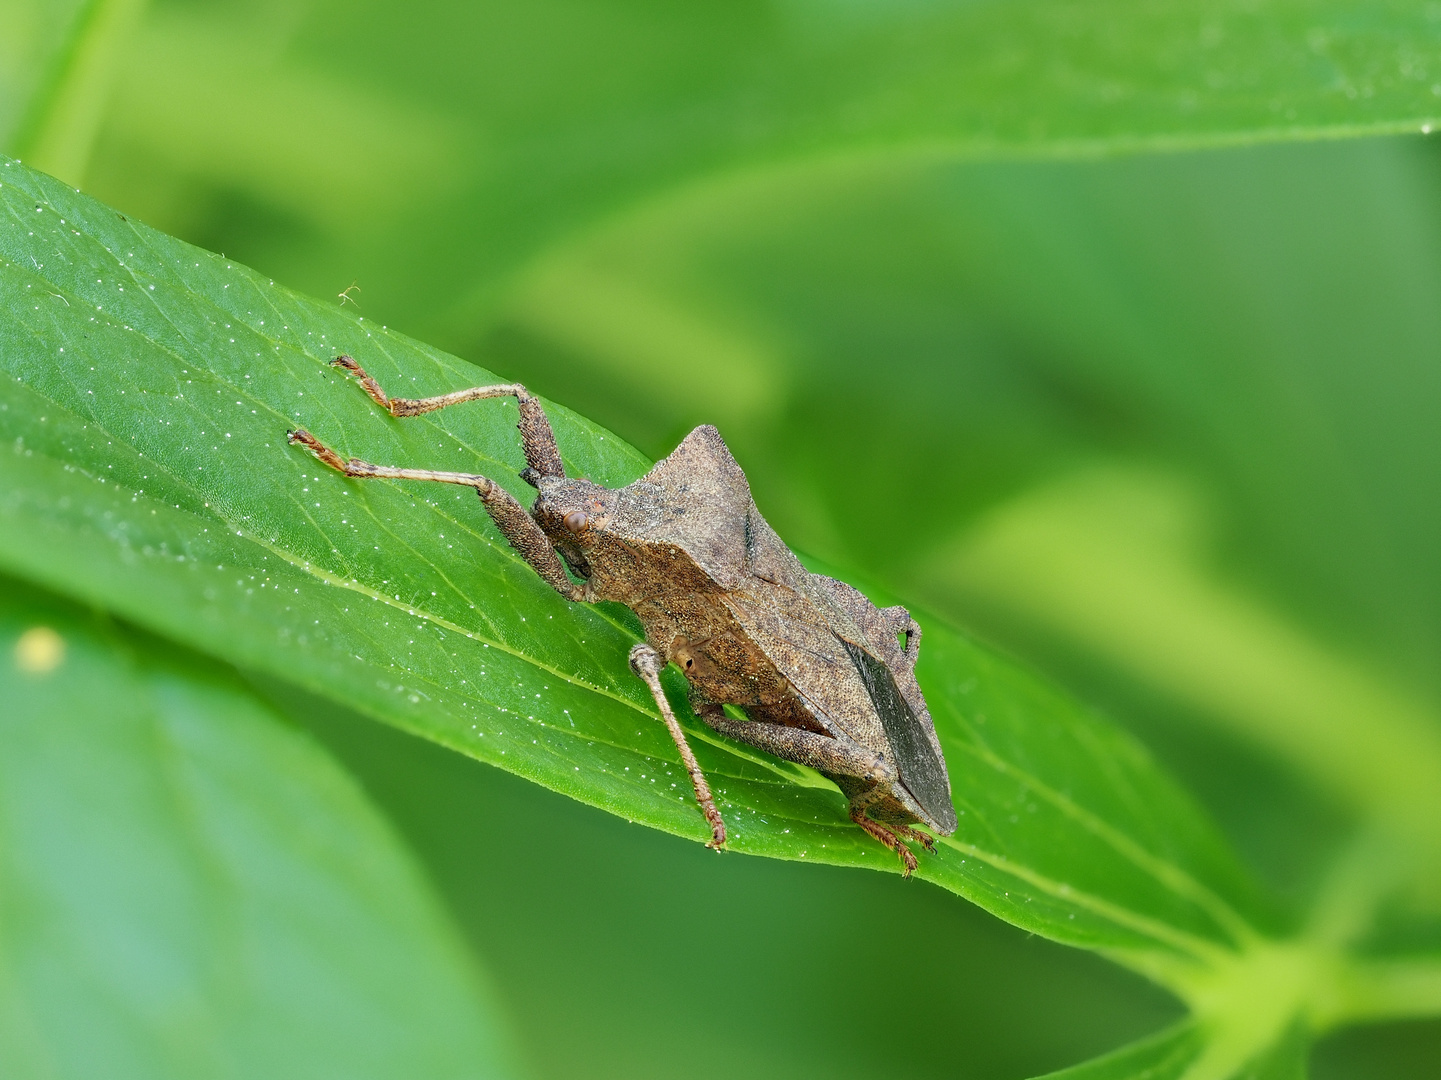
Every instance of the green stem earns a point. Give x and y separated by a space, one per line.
1371 990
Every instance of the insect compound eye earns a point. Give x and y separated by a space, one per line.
576 520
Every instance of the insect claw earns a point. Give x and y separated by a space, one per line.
326 455
924 839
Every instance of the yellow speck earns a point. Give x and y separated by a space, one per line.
40 650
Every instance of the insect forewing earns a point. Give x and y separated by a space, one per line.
921 769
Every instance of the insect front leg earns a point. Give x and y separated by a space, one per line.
509 516
536 437
647 664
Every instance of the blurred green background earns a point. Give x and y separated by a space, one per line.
1163 424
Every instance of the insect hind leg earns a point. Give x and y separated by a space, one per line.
905 832
536 437
868 800
861 774
885 836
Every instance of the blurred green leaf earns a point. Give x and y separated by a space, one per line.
1188 1051
208 95
1167 1056
151 385
1284 1059
34 38
65 111
1110 556
192 888
560 114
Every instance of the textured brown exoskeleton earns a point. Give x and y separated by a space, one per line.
820 672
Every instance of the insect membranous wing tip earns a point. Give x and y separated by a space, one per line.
922 771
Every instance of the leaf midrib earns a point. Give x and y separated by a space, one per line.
1207 952
1124 917
1166 873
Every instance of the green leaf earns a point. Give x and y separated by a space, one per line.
149 388
1195 1049
35 39
64 114
587 111
1092 515
1166 1056
192 888
1283 1060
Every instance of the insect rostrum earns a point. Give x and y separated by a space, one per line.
820 671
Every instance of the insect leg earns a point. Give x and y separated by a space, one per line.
902 623
509 516
884 626
647 664
884 835
801 746
536 437
829 756
905 832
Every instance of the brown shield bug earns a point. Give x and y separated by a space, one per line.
824 677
